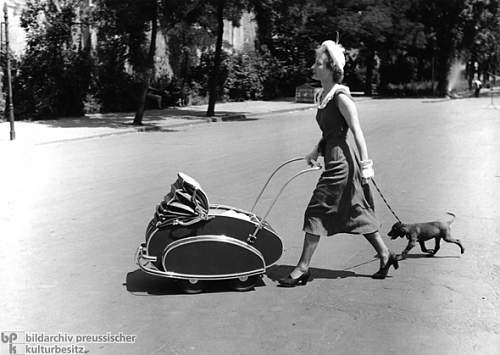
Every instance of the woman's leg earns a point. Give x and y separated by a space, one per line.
310 243
378 244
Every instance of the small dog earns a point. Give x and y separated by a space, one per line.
421 232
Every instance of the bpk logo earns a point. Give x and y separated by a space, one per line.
9 338
13 343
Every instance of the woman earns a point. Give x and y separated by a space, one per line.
342 201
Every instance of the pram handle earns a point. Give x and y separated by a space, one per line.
317 166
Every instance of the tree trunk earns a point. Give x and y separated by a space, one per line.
443 68
212 82
264 19
370 64
149 71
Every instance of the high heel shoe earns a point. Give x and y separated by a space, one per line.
289 281
384 270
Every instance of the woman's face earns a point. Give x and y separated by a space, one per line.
320 71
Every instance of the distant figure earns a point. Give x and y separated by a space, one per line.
477 85
155 95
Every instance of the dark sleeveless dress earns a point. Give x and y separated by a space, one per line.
341 203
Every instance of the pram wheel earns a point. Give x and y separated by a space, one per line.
244 283
192 286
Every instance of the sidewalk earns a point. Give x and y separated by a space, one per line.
101 125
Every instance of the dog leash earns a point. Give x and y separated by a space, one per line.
385 201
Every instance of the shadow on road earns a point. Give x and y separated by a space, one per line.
140 282
276 272
124 119
427 256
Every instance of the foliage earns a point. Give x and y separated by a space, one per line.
247 75
297 29
3 80
245 79
399 45
54 73
404 40
408 89
120 54
201 73
293 31
480 34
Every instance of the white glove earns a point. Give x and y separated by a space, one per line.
367 171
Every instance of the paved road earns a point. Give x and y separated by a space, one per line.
76 211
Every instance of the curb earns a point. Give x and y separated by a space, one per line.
170 128
243 117
138 129
128 129
282 111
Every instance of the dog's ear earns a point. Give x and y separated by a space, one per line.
403 227
397 227
397 231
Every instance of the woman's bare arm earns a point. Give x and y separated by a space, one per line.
350 113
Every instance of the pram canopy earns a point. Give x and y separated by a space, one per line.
184 205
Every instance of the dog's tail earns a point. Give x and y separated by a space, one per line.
453 215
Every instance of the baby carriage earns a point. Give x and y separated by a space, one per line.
194 242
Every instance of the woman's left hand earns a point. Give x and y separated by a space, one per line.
312 158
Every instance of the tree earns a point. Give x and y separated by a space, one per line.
288 33
480 35
132 21
370 25
54 73
148 72
212 82
185 23
441 19
232 10
188 32
114 88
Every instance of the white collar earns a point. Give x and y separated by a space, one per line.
322 104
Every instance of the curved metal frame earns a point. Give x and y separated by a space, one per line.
251 215
318 167
253 237
270 177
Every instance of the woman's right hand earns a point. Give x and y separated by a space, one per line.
311 158
367 171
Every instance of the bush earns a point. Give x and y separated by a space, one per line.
354 72
113 88
245 78
250 75
281 80
176 92
116 91
91 104
53 76
51 84
412 89
201 74
281 76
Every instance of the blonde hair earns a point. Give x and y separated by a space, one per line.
331 64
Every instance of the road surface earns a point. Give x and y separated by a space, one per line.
76 211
